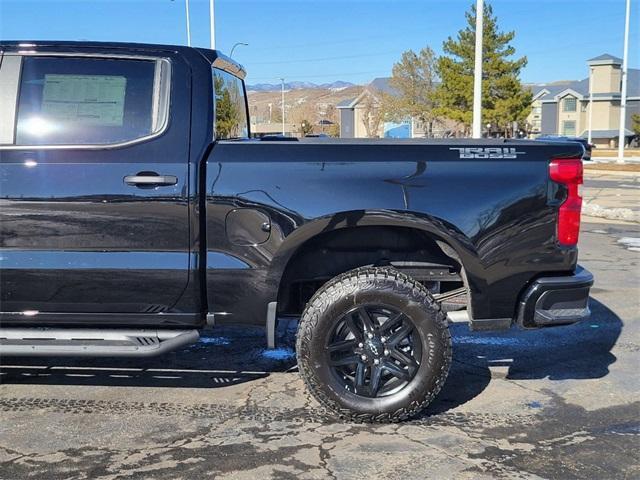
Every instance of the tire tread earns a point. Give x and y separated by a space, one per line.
341 285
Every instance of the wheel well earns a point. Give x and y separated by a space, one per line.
417 253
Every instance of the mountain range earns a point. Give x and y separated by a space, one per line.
270 87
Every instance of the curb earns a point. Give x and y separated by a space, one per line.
597 159
619 173
625 214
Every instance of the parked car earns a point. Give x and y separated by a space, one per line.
135 212
559 138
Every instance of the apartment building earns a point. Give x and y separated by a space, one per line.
564 107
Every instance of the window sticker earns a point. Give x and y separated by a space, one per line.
93 100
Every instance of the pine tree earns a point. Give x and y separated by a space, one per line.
635 123
504 100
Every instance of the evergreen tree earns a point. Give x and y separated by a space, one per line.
504 100
635 123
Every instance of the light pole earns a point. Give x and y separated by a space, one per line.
477 72
237 44
623 93
590 121
212 25
282 80
186 7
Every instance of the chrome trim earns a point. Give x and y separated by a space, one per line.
161 102
229 66
160 180
123 56
9 80
272 309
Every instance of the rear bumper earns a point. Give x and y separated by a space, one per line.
551 301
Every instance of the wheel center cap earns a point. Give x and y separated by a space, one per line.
374 346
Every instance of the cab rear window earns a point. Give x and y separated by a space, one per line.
86 101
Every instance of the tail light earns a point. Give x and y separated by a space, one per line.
568 172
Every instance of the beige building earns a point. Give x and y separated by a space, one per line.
355 112
563 108
262 129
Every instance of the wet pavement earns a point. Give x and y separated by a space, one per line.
612 195
557 403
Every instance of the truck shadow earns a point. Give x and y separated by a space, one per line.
224 356
580 351
233 355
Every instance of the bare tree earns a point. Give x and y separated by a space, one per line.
372 114
414 78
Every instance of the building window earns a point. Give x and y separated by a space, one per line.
569 104
569 128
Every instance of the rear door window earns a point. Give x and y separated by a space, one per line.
88 101
230 106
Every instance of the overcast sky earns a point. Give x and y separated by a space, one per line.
327 40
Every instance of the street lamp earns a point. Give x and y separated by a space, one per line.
282 80
477 72
623 90
590 121
186 7
212 24
237 44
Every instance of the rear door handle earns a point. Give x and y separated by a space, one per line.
150 180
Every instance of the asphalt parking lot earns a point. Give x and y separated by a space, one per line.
558 403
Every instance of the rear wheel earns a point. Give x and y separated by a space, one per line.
373 345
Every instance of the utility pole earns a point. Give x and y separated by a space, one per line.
212 25
282 80
623 93
590 123
477 72
186 7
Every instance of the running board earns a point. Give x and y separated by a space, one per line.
92 342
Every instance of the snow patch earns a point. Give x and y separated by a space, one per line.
215 340
632 243
278 353
478 340
593 210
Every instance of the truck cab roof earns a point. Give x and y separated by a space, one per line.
212 56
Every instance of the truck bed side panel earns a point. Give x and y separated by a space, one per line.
498 214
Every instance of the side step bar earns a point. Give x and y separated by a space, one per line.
92 342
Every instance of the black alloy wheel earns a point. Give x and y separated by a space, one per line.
373 350
373 346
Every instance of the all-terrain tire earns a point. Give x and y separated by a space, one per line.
367 286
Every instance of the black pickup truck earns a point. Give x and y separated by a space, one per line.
135 211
